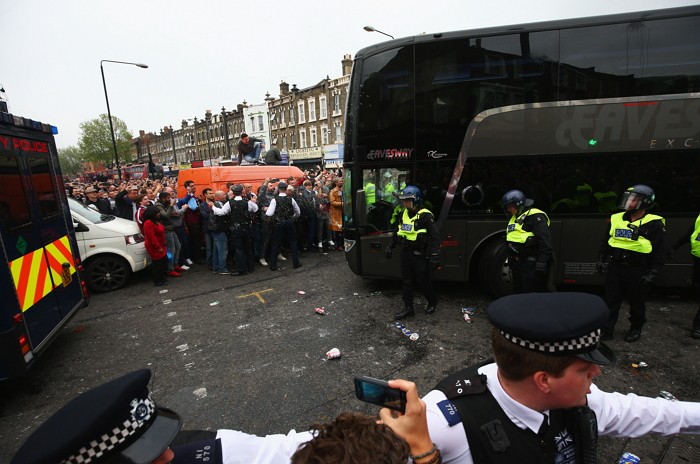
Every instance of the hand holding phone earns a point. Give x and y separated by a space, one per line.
379 392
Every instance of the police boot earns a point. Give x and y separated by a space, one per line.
406 312
430 308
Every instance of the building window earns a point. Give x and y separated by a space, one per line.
336 104
302 138
338 134
291 116
302 117
252 123
261 126
312 109
323 107
325 133
294 140
314 141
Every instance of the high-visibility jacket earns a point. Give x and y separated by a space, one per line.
515 232
624 237
407 228
695 239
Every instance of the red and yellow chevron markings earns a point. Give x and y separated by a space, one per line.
39 272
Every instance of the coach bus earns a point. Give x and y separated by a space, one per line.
571 112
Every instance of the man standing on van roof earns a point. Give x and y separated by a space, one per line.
249 148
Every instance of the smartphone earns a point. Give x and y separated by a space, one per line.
379 392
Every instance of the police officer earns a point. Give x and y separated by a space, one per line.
529 242
631 256
283 210
241 215
693 236
419 239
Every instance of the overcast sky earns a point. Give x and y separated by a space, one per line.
208 54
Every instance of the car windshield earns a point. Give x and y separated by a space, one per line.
89 213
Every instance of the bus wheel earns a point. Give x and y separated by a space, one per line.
107 273
494 275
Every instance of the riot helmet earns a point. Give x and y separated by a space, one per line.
237 189
637 197
516 198
411 192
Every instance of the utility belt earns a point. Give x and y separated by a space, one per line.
627 257
416 247
522 250
524 259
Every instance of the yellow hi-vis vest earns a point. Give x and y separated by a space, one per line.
407 228
515 232
695 239
622 236
370 193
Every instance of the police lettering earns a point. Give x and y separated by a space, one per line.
623 233
28 145
390 153
4 141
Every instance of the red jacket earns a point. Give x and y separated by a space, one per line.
154 233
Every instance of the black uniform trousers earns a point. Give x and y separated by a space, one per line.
281 230
625 281
415 271
525 278
242 248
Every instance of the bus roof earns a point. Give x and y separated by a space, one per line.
692 10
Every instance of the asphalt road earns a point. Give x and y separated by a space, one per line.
247 353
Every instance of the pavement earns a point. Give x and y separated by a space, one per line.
248 353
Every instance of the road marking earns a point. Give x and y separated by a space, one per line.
257 295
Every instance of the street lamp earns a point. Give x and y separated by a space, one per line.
172 139
371 29
109 113
228 148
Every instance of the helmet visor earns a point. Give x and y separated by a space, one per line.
631 201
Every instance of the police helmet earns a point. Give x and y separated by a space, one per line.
411 192
238 188
637 197
516 198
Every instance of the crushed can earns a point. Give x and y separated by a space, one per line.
668 396
467 313
333 353
413 336
629 458
320 311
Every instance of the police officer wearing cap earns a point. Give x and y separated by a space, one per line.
283 211
631 256
115 422
241 216
419 239
536 403
529 242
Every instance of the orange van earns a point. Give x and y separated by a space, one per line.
216 177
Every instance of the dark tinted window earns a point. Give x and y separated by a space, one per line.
42 183
14 209
640 58
386 104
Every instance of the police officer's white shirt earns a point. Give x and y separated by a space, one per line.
617 414
226 209
273 205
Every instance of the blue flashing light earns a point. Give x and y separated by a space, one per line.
54 130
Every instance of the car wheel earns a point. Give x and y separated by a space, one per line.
107 273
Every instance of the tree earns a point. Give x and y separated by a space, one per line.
71 160
96 140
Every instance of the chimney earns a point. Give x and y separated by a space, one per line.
347 64
284 89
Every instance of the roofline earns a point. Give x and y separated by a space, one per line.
683 11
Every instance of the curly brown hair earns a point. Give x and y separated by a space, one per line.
352 438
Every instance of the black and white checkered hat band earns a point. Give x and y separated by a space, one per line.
141 415
578 345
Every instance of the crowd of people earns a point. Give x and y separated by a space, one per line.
232 232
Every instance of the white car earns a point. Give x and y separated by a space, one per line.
111 248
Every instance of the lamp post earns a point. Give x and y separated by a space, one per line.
371 29
172 139
109 113
228 149
207 117
194 121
